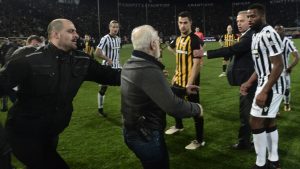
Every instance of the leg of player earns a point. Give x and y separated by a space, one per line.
287 94
199 124
286 100
224 67
199 142
174 129
101 96
180 92
259 140
272 145
264 130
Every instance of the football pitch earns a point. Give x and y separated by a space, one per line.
94 142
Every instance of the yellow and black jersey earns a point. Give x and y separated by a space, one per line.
228 39
184 47
88 49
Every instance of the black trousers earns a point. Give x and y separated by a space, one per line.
245 129
199 121
37 152
5 159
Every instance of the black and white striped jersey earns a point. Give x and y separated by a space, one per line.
265 44
287 48
110 47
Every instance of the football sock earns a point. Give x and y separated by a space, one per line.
224 68
272 140
100 101
287 96
260 145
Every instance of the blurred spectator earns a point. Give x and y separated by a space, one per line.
18 16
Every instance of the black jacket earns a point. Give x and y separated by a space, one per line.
146 95
243 65
48 80
21 52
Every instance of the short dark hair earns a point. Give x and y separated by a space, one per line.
279 26
184 14
33 37
259 7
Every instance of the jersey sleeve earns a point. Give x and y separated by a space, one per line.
102 43
272 42
196 42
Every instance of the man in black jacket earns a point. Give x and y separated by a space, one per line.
48 80
16 51
145 99
242 69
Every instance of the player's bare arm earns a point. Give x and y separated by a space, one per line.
98 53
221 42
245 86
172 50
294 63
195 71
196 66
273 77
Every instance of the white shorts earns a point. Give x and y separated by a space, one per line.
266 112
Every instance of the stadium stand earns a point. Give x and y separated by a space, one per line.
20 18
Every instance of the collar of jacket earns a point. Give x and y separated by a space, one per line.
57 51
147 57
248 30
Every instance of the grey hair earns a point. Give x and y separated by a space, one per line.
142 36
242 13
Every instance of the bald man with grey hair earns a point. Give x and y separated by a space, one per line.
146 97
141 36
48 80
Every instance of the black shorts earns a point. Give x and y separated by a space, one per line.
181 92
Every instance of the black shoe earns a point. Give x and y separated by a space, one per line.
273 164
258 167
240 146
100 111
